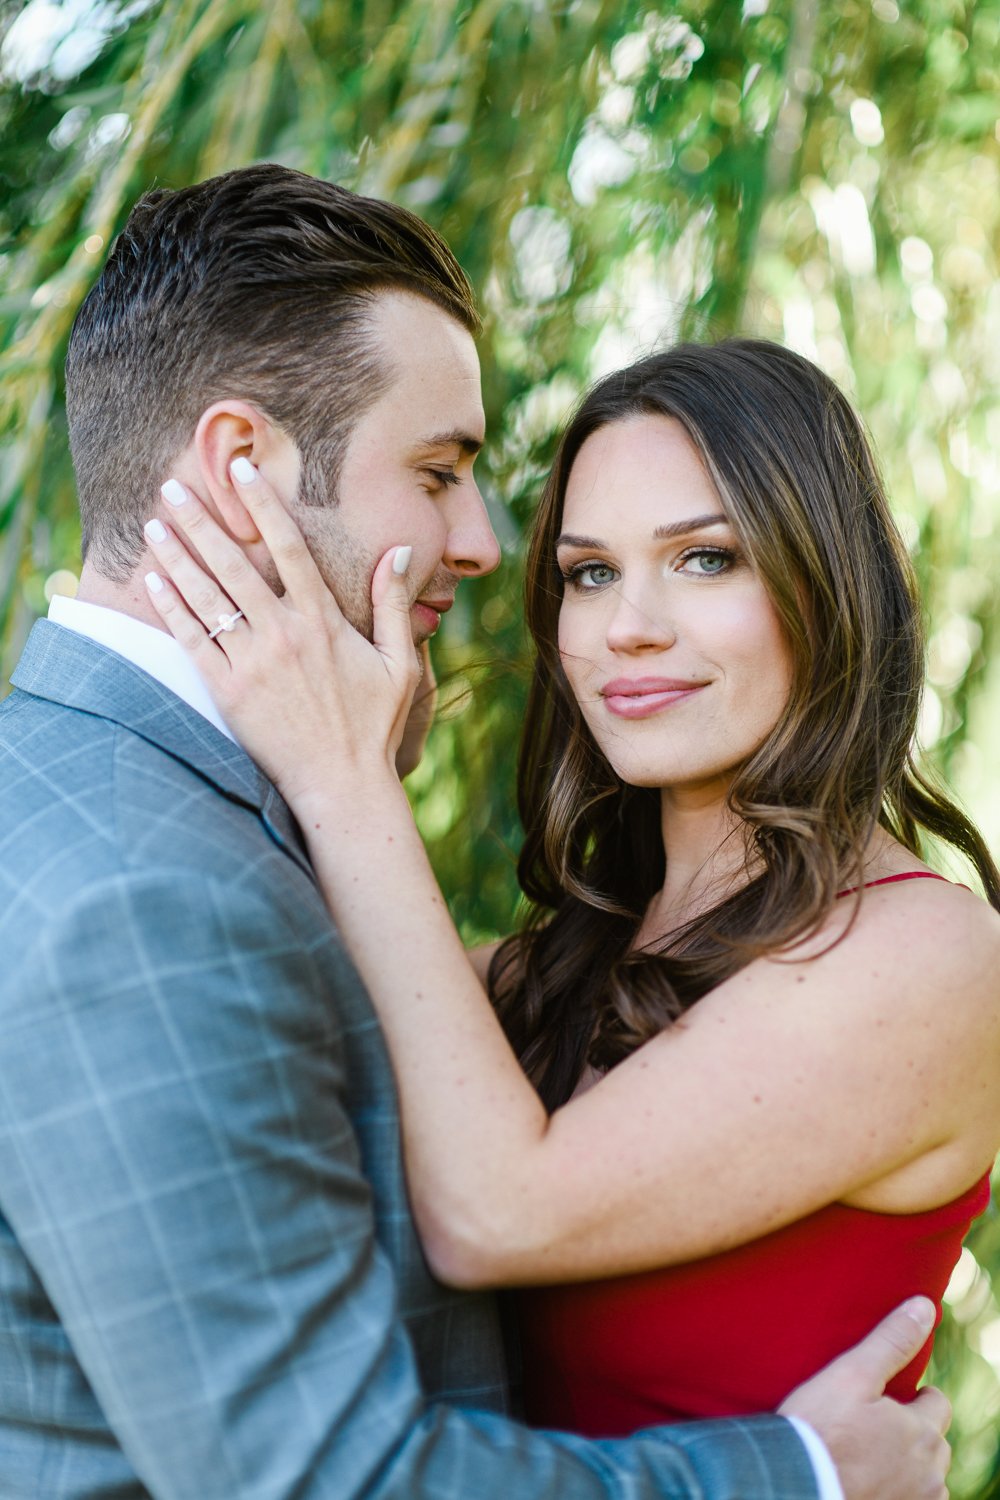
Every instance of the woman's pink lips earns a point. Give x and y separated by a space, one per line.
638 697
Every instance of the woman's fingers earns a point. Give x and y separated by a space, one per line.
392 629
392 633
186 628
281 536
232 582
420 718
276 661
206 603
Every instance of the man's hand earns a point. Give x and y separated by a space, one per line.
882 1450
420 717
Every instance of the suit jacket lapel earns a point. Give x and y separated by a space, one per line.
64 667
280 823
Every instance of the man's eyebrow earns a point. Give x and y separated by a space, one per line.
660 534
454 438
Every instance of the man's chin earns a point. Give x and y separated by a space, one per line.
420 628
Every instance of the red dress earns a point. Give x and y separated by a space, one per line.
732 1333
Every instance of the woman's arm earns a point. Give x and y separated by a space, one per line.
790 1086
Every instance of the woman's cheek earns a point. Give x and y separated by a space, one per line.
570 653
762 657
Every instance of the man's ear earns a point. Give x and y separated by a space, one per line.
235 429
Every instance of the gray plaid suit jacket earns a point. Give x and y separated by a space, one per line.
210 1285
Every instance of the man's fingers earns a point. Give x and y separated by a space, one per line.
882 1449
933 1406
889 1348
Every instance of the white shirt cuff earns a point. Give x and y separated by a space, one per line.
824 1469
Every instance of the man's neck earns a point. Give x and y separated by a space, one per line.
111 616
130 598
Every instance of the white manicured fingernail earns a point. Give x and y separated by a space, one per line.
174 492
155 531
243 471
401 560
154 583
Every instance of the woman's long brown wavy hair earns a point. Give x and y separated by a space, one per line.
801 487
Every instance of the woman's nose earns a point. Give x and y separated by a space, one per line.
640 624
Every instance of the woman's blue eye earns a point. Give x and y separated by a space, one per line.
711 560
698 562
590 575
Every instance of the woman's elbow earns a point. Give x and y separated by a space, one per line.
468 1254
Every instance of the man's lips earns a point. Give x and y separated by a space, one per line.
638 697
429 612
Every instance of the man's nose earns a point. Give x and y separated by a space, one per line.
471 549
639 624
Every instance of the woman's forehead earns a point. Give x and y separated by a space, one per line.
643 470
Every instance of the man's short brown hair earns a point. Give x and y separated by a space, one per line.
257 284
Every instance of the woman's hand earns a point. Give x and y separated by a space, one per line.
420 719
311 700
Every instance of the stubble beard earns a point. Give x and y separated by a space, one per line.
343 563
343 566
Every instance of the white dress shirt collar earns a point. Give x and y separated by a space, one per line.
154 651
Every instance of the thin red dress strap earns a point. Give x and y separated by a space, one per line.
889 879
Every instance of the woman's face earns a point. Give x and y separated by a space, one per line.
668 638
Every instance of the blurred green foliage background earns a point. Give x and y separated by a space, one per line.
611 175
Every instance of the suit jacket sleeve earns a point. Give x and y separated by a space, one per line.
180 1170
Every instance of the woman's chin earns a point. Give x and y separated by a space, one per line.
699 783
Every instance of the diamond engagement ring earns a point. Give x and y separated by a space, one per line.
226 623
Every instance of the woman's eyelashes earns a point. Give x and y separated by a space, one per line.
697 562
712 560
584 576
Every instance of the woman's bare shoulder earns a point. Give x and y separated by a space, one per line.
933 916
940 943
918 950
893 1011
909 915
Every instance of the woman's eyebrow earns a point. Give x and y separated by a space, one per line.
660 534
681 528
569 540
